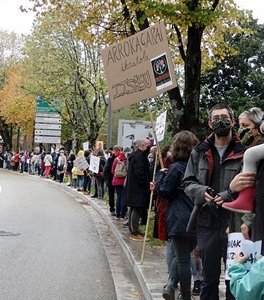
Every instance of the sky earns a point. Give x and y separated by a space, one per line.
12 19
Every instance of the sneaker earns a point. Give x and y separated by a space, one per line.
196 287
94 196
113 213
117 218
86 193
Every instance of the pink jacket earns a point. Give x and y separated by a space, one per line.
118 180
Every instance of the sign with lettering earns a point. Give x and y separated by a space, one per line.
237 243
139 67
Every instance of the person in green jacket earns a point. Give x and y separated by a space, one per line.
245 284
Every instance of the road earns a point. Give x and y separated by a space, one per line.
50 248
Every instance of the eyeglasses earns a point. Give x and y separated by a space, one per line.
217 117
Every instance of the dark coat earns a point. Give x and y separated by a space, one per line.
257 227
138 180
179 206
204 169
108 176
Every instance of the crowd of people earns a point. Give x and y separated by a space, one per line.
202 191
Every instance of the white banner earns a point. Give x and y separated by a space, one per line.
160 126
94 164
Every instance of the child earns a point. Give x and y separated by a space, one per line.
74 176
247 285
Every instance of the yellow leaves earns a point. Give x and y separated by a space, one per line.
137 293
16 107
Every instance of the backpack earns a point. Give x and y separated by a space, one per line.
120 169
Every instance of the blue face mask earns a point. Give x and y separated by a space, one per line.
150 159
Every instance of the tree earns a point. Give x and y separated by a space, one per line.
238 80
10 54
62 67
195 28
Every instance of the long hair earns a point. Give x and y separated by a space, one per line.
182 145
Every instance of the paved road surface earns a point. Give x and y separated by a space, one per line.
49 246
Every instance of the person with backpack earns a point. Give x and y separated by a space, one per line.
119 172
108 176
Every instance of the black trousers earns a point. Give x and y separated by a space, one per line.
111 200
210 245
135 214
180 268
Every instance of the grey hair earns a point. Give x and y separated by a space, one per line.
127 149
254 114
221 106
136 143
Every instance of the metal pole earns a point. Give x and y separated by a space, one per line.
109 123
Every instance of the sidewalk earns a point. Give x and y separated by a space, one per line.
151 274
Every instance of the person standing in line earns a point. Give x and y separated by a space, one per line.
70 160
99 177
87 183
80 174
61 166
168 186
211 167
16 159
250 135
48 164
33 162
137 187
108 176
119 181
8 160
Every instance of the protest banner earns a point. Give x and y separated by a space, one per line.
81 163
99 145
94 163
85 146
161 125
139 67
237 243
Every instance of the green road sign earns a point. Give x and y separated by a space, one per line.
44 107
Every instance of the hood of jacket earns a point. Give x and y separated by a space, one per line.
80 153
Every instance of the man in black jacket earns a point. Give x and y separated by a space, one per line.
137 187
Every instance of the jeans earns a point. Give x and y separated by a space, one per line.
196 266
79 182
87 183
169 254
33 169
100 186
120 201
210 245
180 268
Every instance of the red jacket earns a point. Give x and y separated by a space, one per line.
118 180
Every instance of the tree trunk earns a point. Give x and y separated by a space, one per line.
192 80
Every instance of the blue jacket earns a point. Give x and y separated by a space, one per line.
179 206
247 285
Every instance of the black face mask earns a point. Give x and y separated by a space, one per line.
147 150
